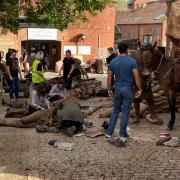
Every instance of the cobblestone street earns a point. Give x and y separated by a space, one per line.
27 155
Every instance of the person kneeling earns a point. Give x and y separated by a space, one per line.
58 91
69 115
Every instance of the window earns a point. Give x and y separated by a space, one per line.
147 39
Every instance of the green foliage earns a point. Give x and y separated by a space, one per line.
57 13
9 12
121 4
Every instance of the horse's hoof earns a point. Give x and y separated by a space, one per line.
169 127
160 122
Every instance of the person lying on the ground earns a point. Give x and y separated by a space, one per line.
66 115
41 117
58 91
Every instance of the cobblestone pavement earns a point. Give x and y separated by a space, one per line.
26 155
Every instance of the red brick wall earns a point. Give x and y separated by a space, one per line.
101 25
138 32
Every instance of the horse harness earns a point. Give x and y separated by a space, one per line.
156 71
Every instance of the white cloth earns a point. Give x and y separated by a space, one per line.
56 91
38 101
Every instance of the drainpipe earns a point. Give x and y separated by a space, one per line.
99 45
139 32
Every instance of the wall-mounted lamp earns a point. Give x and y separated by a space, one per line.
79 37
82 36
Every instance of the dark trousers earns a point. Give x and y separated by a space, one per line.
14 88
68 82
55 98
31 110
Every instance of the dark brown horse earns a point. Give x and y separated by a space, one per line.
163 69
147 94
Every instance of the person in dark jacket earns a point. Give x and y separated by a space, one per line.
68 68
111 56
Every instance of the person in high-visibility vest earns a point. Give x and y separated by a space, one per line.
38 70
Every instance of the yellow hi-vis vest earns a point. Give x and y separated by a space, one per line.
36 78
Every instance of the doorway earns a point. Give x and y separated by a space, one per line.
51 49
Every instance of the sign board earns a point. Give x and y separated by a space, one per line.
84 50
73 49
42 34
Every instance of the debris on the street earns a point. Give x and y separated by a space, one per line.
89 124
173 142
52 142
167 140
95 133
42 128
79 135
86 88
64 146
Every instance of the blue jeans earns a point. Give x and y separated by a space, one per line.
123 98
14 88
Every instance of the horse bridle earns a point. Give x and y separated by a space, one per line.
156 70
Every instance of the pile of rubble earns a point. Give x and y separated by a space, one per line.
86 88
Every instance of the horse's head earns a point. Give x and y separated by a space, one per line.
150 59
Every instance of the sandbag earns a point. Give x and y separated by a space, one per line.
156 88
163 107
161 103
178 110
164 98
158 99
161 92
14 104
178 106
156 95
106 113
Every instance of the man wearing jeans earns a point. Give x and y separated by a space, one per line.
125 71
13 70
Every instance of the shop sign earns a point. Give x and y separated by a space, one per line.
42 34
84 50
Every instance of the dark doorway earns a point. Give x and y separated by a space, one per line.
52 49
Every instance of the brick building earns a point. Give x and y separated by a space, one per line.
89 39
148 23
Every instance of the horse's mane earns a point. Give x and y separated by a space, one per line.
158 53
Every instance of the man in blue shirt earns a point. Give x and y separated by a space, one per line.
125 70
